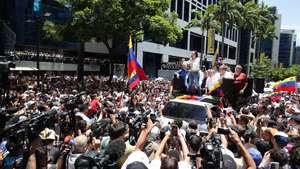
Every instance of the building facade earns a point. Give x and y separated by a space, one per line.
271 46
287 47
152 55
297 54
18 19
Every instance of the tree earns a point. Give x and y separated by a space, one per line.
205 21
262 67
106 20
265 27
228 13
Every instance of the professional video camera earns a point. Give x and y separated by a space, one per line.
28 128
211 153
136 120
104 159
73 101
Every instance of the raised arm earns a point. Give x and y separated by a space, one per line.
245 154
143 136
185 150
162 146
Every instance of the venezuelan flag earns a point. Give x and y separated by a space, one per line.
288 84
135 71
188 97
216 89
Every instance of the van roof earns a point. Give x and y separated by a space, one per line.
193 102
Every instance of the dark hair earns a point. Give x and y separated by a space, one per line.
263 146
163 131
116 149
193 125
295 157
196 53
169 162
178 123
194 142
85 162
117 129
280 156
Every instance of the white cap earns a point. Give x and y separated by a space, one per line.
137 156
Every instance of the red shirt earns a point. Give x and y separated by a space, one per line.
239 81
95 104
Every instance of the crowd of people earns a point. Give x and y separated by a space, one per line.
105 125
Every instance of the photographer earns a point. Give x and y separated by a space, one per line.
139 159
37 156
67 158
172 158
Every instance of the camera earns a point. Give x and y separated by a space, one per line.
211 153
223 131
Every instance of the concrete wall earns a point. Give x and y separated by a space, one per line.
275 49
51 66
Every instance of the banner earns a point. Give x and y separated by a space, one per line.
211 42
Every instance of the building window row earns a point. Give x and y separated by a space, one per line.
184 10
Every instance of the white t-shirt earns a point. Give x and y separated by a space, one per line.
211 80
155 164
195 65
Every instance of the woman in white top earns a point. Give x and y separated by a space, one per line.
194 69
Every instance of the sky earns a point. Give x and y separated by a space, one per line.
290 12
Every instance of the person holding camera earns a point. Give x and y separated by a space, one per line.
172 159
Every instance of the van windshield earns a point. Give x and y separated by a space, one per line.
185 111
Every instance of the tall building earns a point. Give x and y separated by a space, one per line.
297 54
287 47
271 46
18 19
153 55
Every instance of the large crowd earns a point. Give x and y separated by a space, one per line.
103 124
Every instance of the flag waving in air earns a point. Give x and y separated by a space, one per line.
135 71
288 84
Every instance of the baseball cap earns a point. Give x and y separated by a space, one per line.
137 165
256 155
228 162
47 134
136 160
281 138
296 118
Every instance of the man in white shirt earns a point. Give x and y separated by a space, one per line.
212 78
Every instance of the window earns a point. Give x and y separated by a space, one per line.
193 14
252 58
204 2
225 51
186 11
179 8
173 5
232 52
196 42
216 45
183 43
185 111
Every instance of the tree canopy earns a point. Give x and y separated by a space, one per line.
102 20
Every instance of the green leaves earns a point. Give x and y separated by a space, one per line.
164 29
206 20
262 67
116 19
